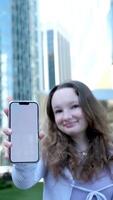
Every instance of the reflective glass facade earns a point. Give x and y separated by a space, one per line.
0 86
110 27
56 57
51 64
25 48
19 54
6 50
64 58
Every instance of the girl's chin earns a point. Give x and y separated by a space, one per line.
71 133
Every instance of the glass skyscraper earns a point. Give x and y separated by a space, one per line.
26 54
110 27
20 63
56 56
6 50
0 85
20 48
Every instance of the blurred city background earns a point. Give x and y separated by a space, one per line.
43 43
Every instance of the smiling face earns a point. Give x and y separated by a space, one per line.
68 114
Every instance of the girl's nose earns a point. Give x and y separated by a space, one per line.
66 115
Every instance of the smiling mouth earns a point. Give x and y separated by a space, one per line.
69 125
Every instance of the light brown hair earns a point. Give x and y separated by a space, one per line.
59 149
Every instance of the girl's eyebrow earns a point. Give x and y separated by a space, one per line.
70 103
74 102
56 107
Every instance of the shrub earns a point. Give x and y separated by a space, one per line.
5 181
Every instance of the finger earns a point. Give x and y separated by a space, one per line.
9 99
6 111
7 131
7 144
41 135
6 153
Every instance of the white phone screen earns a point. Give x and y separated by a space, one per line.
23 120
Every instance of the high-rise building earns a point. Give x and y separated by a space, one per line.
0 85
20 50
56 58
20 63
26 53
110 27
5 66
6 51
20 36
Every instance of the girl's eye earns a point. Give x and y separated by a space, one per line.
57 111
74 106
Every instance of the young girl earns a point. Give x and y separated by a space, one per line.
76 155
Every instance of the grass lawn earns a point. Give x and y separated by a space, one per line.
34 193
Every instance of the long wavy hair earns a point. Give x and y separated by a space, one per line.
58 149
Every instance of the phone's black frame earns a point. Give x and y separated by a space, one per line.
23 102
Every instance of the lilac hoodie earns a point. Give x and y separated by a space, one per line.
26 175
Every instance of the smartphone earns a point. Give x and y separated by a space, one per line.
24 122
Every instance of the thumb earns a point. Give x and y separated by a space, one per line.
41 135
6 111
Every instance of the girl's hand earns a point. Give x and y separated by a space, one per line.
41 135
7 132
6 143
6 111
